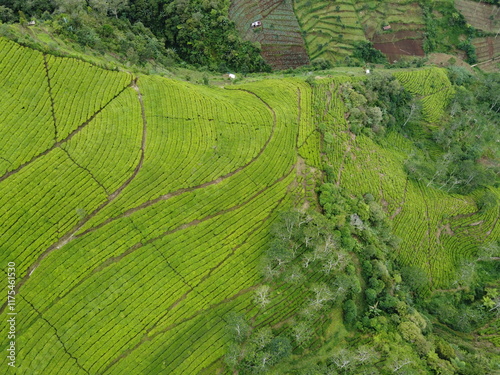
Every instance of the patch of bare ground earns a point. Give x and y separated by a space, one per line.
443 59
404 47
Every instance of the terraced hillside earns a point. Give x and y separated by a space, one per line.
136 209
484 17
333 28
279 36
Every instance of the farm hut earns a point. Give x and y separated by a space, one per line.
232 76
256 24
367 71
387 27
31 23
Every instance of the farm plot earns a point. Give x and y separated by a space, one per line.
279 36
481 16
136 235
26 125
331 28
486 48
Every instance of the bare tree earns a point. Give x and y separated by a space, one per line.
261 296
262 337
322 294
343 360
397 364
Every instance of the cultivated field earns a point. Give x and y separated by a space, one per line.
333 28
136 213
482 16
279 36
136 208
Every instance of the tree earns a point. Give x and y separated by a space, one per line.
262 337
365 51
488 200
302 333
261 296
350 311
365 354
343 360
70 6
237 327
322 294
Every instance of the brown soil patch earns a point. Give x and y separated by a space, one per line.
282 56
395 50
279 36
487 48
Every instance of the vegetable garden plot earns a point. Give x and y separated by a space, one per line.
481 16
282 43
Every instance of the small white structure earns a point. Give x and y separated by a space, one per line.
232 76
31 23
256 24
367 71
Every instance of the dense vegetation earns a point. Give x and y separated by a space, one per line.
464 151
344 258
199 32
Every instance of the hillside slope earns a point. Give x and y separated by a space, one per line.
279 36
136 208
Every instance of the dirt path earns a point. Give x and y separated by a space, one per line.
299 117
51 97
429 231
71 235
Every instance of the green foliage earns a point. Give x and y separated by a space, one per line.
321 64
201 32
487 201
376 104
445 28
469 49
365 51
464 139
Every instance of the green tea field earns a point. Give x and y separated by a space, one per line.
136 208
